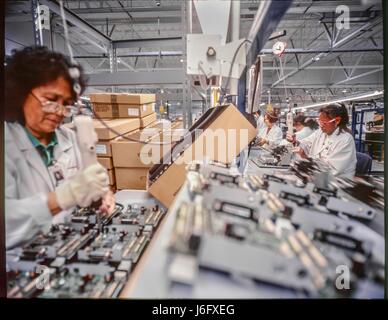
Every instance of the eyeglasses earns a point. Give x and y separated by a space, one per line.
323 122
53 107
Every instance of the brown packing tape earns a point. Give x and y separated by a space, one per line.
115 110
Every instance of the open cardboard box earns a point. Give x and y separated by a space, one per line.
220 135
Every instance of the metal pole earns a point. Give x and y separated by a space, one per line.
37 29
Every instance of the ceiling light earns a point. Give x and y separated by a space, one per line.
262 104
344 99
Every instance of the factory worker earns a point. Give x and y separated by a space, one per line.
270 135
304 127
332 143
44 179
259 120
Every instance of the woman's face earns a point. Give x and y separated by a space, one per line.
36 119
328 125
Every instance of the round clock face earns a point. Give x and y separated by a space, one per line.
279 47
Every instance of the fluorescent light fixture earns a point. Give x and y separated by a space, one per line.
262 104
344 99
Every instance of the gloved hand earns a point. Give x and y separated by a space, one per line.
86 186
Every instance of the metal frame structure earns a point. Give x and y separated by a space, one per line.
320 62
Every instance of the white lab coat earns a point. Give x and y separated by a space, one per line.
337 150
274 136
260 123
28 181
304 133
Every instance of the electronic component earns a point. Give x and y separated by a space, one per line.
279 156
86 257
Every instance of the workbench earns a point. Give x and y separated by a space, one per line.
150 277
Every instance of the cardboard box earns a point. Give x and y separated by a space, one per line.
166 179
104 149
122 98
116 111
111 174
115 127
147 120
132 154
122 105
106 162
131 178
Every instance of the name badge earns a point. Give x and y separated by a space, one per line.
56 172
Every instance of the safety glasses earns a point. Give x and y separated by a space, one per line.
53 107
324 123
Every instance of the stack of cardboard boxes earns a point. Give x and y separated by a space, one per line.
135 153
130 141
120 115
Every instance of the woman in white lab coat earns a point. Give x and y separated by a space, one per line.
43 176
270 135
332 143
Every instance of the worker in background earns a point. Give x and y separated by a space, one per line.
304 127
44 181
332 143
259 120
270 134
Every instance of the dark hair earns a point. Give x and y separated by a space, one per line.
272 118
300 118
29 68
311 123
337 110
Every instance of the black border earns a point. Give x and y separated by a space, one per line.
3 280
385 37
137 302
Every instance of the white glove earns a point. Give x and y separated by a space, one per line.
88 185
